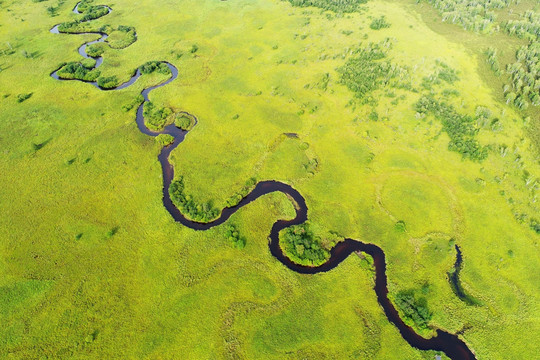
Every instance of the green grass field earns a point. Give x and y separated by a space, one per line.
93 266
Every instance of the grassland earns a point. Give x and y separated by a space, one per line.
92 265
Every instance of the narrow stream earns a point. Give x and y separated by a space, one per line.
448 343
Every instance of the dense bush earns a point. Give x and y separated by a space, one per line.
185 203
366 70
303 247
95 50
379 23
184 121
23 97
475 15
233 235
493 61
413 308
237 197
155 66
155 118
94 12
75 70
164 139
535 225
446 73
525 75
108 82
460 128
343 6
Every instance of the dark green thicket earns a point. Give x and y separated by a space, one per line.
155 118
475 15
379 23
525 74
155 66
367 70
95 50
493 61
446 73
414 308
343 6
460 128
198 212
184 121
535 225
233 235
23 97
301 246
108 82
75 70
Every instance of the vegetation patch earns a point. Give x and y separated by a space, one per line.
23 97
77 70
120 37
339 6
108 82
233 235
164 139
237 197
475 15
156 118
204 212
95 50
154 66
413 308
184 121
301 245
379 23
367 70
460 128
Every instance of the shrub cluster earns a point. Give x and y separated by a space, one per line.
339 6
303 247
185 203
366 71
155 66
233 235
493 61
184 121
23 97
525 74
528 27
460 128
475 15
414 308
237 197
155 118
108 82
75 70
164 139
379 23
95 50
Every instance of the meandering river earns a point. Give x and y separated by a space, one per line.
448 343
